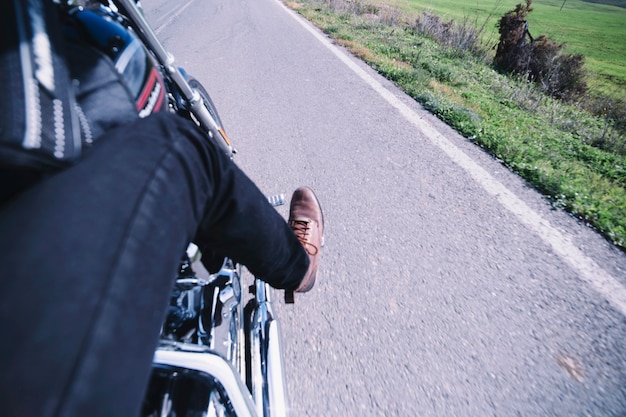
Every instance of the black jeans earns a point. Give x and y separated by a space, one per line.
88 257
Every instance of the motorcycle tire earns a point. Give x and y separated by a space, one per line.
196 85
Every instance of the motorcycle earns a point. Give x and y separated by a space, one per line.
220 350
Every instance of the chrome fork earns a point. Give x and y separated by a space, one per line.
267 378
166 60
266 372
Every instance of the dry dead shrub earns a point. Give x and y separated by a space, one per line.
541 60
464 36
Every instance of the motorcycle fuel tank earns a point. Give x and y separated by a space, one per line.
105 30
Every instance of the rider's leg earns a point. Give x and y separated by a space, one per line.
88 258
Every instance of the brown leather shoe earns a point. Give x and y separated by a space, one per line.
307 221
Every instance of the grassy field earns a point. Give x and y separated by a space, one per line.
598 31
551 144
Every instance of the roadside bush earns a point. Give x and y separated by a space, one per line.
383 14
540 60
514 49
464 36
613 113
560 75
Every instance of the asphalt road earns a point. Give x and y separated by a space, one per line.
447 286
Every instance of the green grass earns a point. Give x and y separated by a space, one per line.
547 142
598 31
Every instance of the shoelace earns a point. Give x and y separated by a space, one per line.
301 228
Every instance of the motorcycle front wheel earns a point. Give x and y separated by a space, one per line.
208 102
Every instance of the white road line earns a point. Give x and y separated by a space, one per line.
174 15
589 271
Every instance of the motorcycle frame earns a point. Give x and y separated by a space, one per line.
242 351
